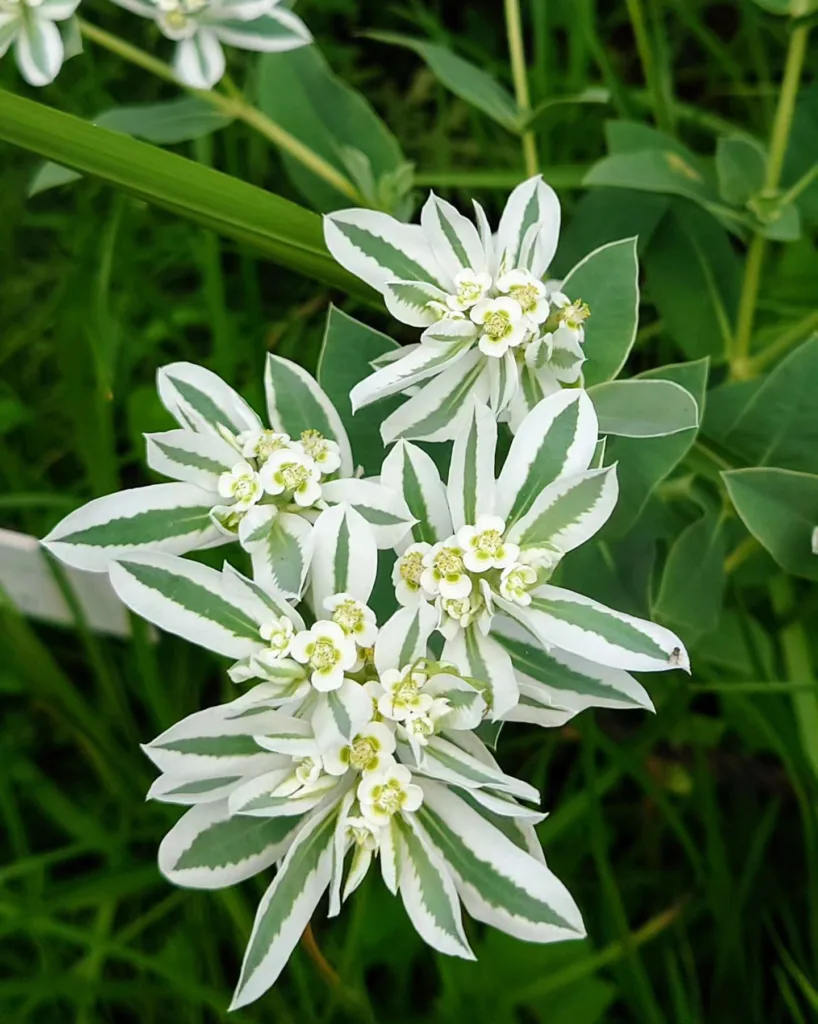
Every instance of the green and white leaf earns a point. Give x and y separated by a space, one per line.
172 518
470 488
482 660
454 239
200 400
255 797
450 763
207 849
286 908
644 408
296 403
190 600
569 511
192 458
410 302
379 249
498 882
381 506
556 439
429 894
439 410
280 547
209 744
408 470
402 639
171 789
587 628
345 556
556 678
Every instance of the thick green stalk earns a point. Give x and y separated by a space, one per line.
514 29
779 138
234 105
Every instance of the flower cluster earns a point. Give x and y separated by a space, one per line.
43 33
359 738
488 315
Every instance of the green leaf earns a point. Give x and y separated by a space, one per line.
692 588
347 354
652 170
645 462
593 94
644 408
608 281
740 164
299 91
792 8
778 424
694 278
164 123
278 229
780 508
464 79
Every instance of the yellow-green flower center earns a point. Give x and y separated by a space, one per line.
324 655
349 616
526 295
575 315
489 542
448 562
293 475
314 443
389 797
411 567
363 753
497 324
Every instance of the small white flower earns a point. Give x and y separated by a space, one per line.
470 288
363 833
260 444
483 545
278 633
419 728
444 572
516 582
326 454
528 291
307 774
503 324
369 751
328 651
386 793
38 44
354 618
403 694
456 613
289 471
571 315
242 484
407 572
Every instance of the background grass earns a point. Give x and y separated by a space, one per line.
688 838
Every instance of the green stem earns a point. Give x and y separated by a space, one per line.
514 29
804 182
782 344
779 138
235 106
644 45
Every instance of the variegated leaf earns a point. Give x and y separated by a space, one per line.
256 797
449 763
296 403
402 639
280 547
576 624
287 906
345 556
417 365
557 438
471 474
198 459
531 203
410 471
484 661
173 518
200 400
438 411
276 31
498 882
207 849
429 895
453 237
190 600
411 302
569 511
173 789
381 506
379 249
